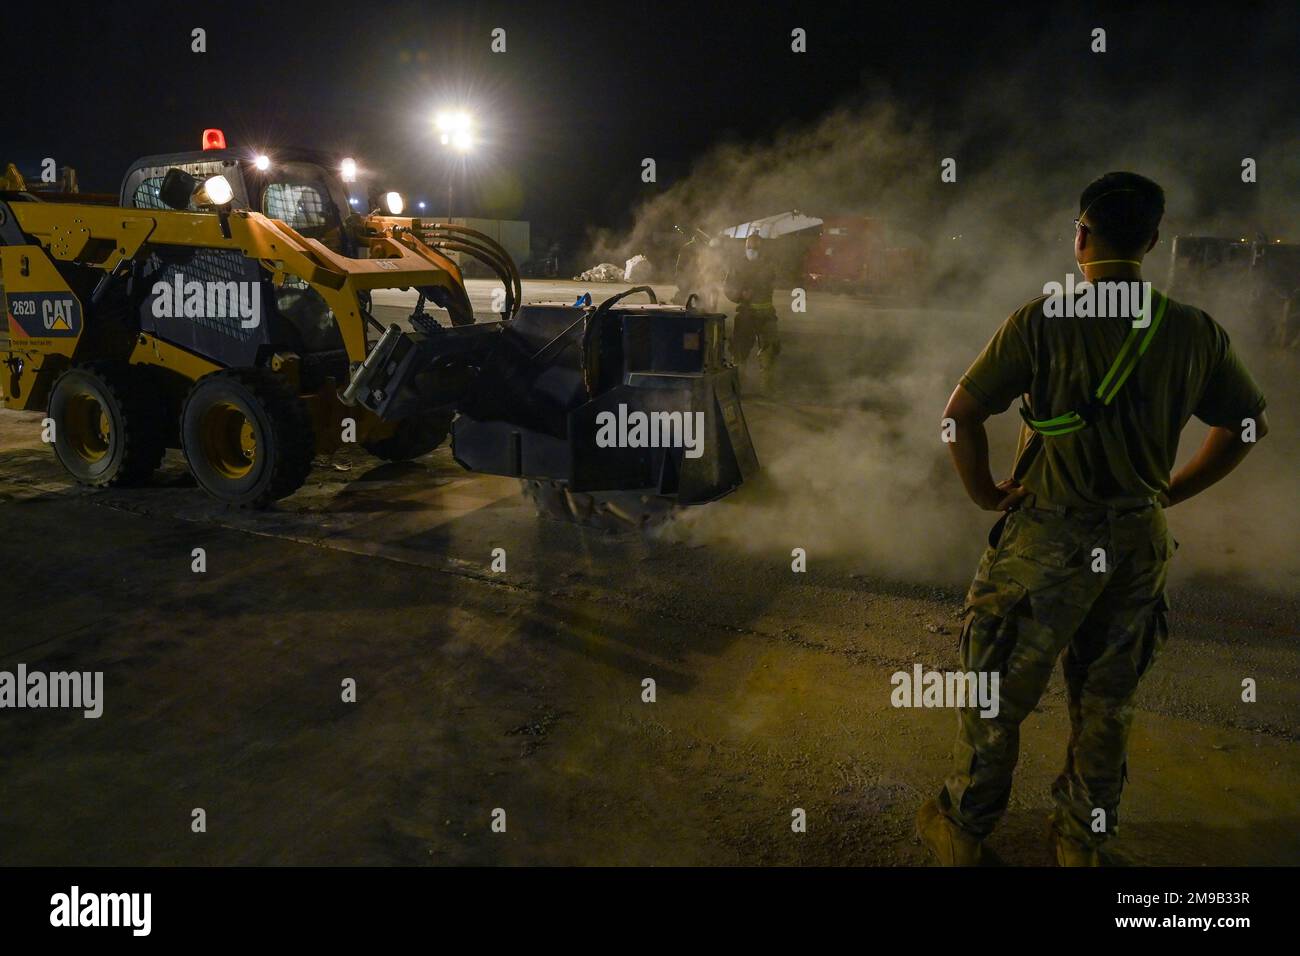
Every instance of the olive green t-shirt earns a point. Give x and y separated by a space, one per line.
1190 368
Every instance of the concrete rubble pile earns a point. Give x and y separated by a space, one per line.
605 272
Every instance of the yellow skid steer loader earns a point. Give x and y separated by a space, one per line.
223 306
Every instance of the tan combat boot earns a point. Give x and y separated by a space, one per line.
950 844
1072 853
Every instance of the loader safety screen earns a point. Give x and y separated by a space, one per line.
146 194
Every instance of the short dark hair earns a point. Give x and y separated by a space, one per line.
1124 209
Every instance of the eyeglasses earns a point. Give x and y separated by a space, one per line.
1079 222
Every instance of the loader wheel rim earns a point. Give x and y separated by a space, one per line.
228 440
88 427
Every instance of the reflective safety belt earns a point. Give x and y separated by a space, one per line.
1119 372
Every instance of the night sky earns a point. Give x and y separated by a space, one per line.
583 93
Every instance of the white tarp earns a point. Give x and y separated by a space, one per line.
637 269
770 227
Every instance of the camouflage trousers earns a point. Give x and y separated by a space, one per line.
755 325
1091 585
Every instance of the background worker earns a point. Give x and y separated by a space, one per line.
749 285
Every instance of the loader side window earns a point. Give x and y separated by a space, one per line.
299 205
213 325
307 312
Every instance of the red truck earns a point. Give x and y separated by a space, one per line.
864 255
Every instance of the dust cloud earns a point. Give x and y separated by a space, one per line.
853 467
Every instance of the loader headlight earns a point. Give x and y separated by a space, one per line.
180 190
394 203
216 191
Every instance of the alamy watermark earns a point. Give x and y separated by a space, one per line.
958 689
75 908
78 690
1106 298
651 430
208 300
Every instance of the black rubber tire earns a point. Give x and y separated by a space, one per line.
136 440
415 436
280 425
603 510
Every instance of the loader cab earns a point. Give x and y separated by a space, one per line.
303 189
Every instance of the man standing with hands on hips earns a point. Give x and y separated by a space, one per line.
1078 562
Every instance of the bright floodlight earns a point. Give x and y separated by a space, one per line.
394 203
453 121
262 162
462 141
348 170
420 204
218 190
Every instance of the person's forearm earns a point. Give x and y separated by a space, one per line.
1222 451
970 455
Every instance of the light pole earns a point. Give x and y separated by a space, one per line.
456 132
